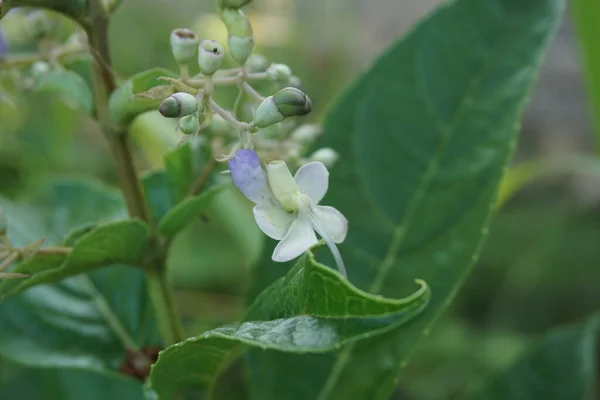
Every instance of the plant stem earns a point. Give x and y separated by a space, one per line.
104 85
161 294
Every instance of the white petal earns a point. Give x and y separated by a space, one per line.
273 221
313 180
283 184
299 238
333 222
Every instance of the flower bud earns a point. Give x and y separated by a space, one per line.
232 3
325 155
189 125
306 133
39 68
285 103
241 38
178 105
3 222
257 63
295 82
210 55
40 24
279 72
184 44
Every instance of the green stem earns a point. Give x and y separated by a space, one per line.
104 85
161 294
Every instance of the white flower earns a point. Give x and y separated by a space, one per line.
287 208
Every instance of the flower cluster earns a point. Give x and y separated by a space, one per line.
287 208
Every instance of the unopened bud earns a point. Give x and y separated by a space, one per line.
325 155
241 38
3 222
184 44
285 103
306 133
178 105
210 55
295 82
257 63
39 68
232 3
40 24
279 72
189 125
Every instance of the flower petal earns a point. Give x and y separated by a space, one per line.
313 180
249 177
283 185
333 222
273 221
299 238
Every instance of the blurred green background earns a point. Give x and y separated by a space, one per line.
539 267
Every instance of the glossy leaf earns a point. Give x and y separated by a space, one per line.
424 138
117 242
561 365
124 107
69 85
184 213
311 310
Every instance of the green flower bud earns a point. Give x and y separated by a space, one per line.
295 82
39 68
240 48
279 72
257 63
241 38
306 133
184 44
325 155
291 101
189 125
285 103
210 55
232 3
3 222
178 105
40 24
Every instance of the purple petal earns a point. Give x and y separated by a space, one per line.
249 177
3 44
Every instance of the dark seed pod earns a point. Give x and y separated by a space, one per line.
178 105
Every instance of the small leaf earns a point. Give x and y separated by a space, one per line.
311 310
124 107
561 365
178 165
117 242
184 213
156 189
80 322
72 87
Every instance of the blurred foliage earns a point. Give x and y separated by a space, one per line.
538 269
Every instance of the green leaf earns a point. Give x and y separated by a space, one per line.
561 365
80 322
311 310
185 212
586 14
424 138
71 384
117 242
156 190
124 107
72 87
